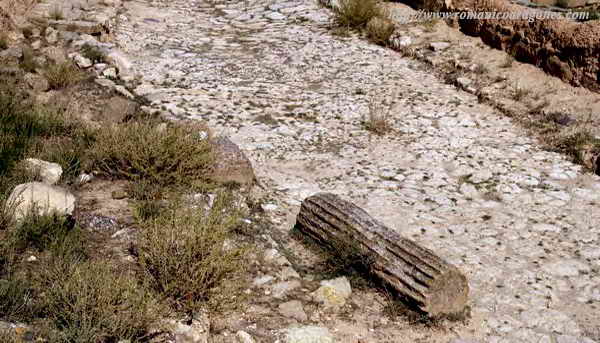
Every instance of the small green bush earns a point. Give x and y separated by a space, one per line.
189 258
138 151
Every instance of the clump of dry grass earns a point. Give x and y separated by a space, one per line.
62 75
93 302
520 93
134 151
189 257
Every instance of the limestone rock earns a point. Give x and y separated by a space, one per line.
36 82
244 337
43 197
49 172
293 309
122 63
54 54
308 334
197 332
51 35
281 289
82 62
231 164
333 293
110 73
439 46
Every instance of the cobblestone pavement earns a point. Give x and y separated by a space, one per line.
453 174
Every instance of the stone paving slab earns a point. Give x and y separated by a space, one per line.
454 175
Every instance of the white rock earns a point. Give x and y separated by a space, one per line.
269 207
463 82
105 83
49 172
439 46
288 273
274 16
333 293
124 92
244 337
197 332
281 289
99 67
402 41
82 62
566 268
43 197
259 281
51 35
308 334
122 63
110 73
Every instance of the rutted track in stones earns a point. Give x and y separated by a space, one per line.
455 175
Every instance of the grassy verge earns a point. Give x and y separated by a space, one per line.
187 258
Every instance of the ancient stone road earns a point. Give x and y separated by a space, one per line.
455 175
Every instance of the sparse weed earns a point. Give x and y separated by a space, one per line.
379 118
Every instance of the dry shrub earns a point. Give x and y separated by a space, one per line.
379 30
92 302
189 257
176 155
62 75
356 13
